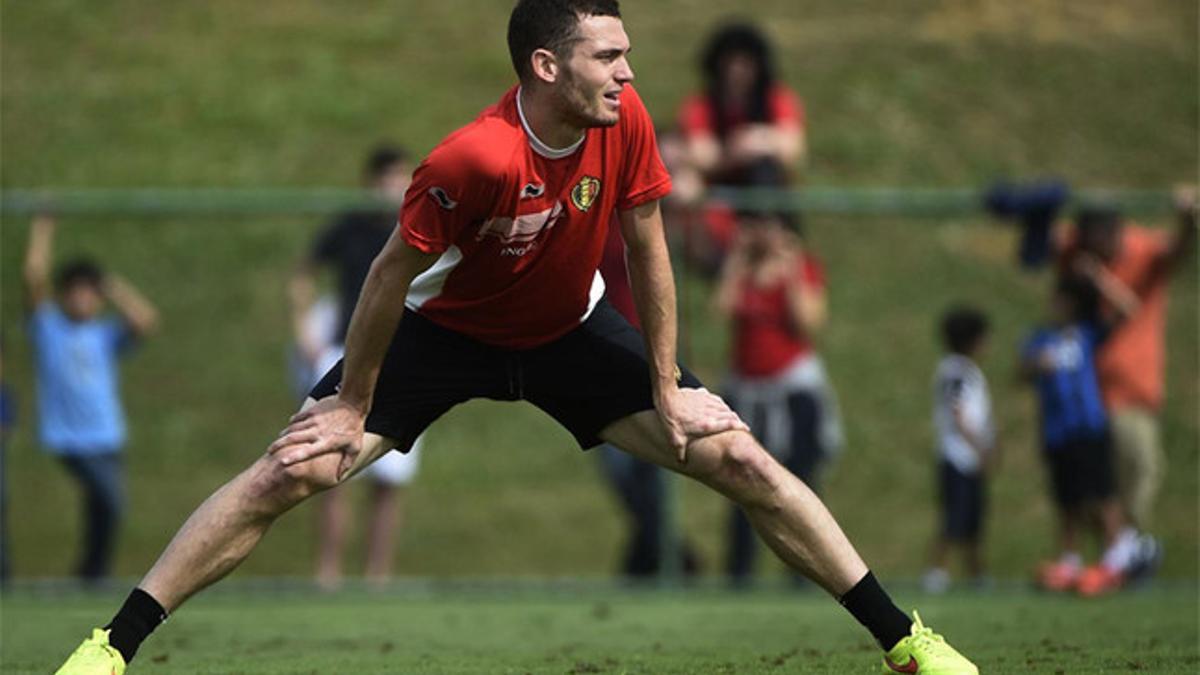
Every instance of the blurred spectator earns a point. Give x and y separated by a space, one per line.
772 289
1131 361
744 116
966 444
347 247
744 122
1059 359
76 348
8 417
639 485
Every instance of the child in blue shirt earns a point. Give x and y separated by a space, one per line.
76 347
1059 359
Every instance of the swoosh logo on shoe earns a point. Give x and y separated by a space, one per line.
911 667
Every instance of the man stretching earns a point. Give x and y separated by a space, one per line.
488 288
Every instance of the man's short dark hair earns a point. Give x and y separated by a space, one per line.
382 158
549 24
963 328
79 271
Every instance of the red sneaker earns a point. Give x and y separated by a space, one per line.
1099 580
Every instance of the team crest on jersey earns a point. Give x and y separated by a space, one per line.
584 193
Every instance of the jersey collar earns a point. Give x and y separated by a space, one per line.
536 143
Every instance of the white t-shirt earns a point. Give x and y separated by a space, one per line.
959 384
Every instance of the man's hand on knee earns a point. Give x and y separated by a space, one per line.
689 414
329 426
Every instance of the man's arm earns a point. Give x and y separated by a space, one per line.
685 414
135 308
335 424
37 261
376 316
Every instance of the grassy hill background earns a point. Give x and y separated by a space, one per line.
273 93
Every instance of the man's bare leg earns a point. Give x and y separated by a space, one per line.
785 513
227 526
788 516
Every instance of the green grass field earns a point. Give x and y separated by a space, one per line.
587 630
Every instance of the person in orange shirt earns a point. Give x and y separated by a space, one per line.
1130 363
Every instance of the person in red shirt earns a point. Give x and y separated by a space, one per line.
772 290
488 289
745 115
736 131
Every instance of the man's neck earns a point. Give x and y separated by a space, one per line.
547 128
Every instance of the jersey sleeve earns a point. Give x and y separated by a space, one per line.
450 190
696 117
644 177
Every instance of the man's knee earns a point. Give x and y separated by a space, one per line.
274 485
744 470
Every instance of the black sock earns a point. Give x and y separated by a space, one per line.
870 604
137 618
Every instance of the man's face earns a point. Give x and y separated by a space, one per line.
595 73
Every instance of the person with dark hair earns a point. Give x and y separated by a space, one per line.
772 291
346 248
76 348
1058 359
966 444
745 115
489 289
744 122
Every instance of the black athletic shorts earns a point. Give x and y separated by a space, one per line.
587 379
962 503
1081 470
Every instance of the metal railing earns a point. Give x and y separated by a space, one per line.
157 202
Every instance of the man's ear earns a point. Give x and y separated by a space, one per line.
545 65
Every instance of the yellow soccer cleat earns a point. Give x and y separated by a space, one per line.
94 657
927 653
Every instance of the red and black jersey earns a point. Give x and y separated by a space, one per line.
520 226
